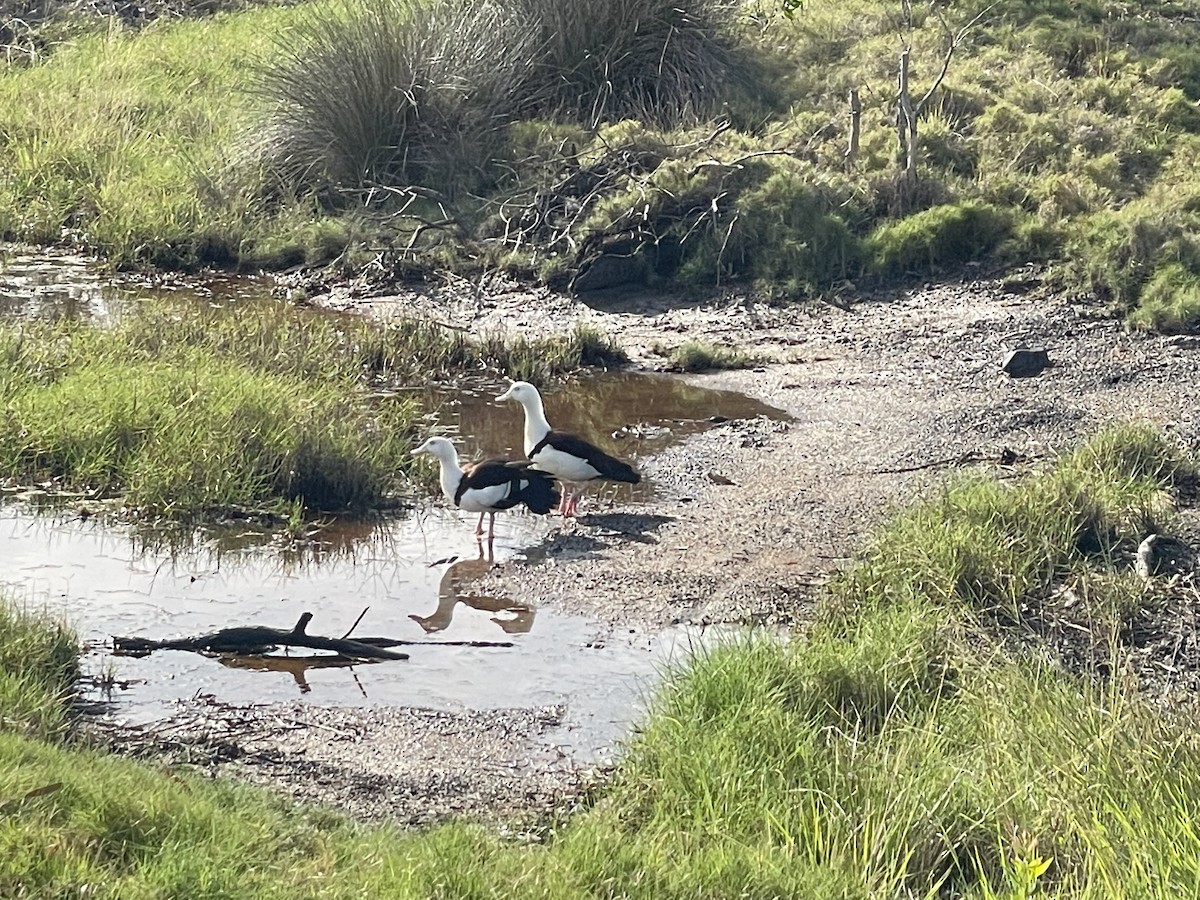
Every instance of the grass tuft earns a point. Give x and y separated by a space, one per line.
701 356
1169 302
38 666
985 546
391 93
660 61
938 238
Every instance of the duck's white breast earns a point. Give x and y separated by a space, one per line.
483 499
563 465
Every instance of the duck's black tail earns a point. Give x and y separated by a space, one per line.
619 470
537 490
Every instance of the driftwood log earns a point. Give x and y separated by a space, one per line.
255 639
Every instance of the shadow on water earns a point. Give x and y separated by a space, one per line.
418 576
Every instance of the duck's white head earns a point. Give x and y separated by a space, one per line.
521 391
438 447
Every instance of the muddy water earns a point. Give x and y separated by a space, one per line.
417 577
104 584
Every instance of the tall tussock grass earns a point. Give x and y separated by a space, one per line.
385 93
394 93
660 61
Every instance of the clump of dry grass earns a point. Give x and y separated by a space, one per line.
389 93
661 61
385 93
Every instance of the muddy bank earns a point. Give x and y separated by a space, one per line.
408 766
883 401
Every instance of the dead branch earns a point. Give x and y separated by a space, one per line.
855 130
735 164
961 460
258 640
955 40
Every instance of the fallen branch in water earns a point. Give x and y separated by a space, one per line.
258 640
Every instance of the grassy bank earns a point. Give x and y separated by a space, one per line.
183 410
130 139
637 141
896 750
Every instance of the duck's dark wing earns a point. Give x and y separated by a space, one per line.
535 489
607 466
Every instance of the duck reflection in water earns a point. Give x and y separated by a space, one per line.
453 590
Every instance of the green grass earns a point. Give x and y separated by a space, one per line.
130 138
895 749
701 356
984 546
184 411
943 236
704 140
37 670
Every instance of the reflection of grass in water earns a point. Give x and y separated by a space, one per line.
188 409
251 545
898 750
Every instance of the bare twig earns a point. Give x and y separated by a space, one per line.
738 163
356 621
955 41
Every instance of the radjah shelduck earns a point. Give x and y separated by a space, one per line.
567 457
492 485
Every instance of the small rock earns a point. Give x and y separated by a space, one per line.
1025 363
717 478
1009 457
